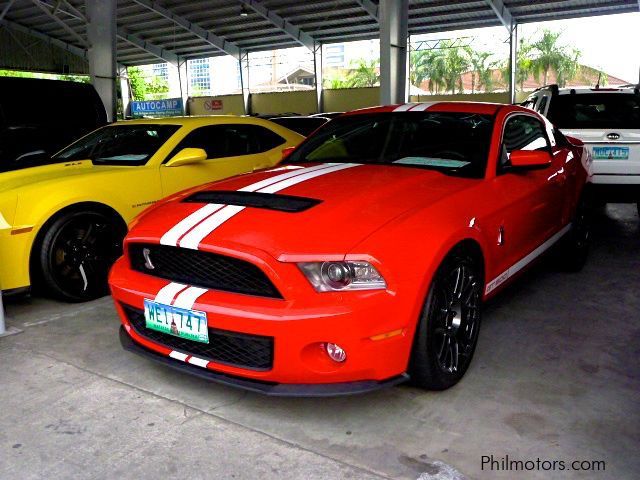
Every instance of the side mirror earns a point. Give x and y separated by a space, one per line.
187 156
529 159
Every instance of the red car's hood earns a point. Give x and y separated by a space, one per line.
355 201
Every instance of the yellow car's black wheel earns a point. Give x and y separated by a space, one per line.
75 254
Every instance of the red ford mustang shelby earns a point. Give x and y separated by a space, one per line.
362 260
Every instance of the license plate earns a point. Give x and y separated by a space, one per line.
180 322
610 153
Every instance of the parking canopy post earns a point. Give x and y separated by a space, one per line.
394 18
101 30
317 70
513 62
2 324
243 65
4 331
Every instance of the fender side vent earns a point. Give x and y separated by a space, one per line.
269 201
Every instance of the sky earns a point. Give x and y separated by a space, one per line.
608 42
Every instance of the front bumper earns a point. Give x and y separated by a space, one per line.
266 388
359 322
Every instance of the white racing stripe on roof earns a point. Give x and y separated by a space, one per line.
173 235
421 107
404 107
168 293
188 297
196 235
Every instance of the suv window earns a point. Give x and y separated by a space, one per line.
221 141
522 132
596 110
543 104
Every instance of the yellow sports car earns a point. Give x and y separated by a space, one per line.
62 225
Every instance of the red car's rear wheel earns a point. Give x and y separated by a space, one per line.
447 334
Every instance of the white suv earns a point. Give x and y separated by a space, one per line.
607 120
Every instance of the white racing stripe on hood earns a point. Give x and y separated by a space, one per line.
179 229
172 236
196 235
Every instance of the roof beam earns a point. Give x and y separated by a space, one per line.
66 27
502 12
220 43
11 2
80 52
372 9
299 35
159 52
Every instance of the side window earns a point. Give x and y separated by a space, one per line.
220 141
542 105
522 132
531 103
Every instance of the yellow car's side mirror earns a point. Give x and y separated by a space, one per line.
187 156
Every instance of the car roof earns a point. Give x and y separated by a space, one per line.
449 106
588 90
194 120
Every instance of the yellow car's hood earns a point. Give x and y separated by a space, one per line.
28 176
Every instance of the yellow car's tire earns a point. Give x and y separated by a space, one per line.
75 252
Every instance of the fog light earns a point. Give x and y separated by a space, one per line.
335 352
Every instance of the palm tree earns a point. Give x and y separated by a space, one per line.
456 63
550 56
365 74
523 65
482 71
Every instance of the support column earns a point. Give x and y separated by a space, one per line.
244 81
183 80
513 61
394 18
317 69
101 30
125 90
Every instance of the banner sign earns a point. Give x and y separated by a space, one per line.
169 107
213 105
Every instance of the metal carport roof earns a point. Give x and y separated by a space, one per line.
170 30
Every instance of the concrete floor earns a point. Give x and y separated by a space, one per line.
556 376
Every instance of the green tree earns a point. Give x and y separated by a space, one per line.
549 56
524 65
482 69
456 63
143 88
365 74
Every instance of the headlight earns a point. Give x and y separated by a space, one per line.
349 275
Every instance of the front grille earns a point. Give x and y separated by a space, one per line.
253 352
202 269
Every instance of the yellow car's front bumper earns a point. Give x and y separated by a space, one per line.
14 257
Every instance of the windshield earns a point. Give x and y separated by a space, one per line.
451 142
596 110
119 144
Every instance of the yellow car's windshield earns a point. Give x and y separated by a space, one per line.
119 144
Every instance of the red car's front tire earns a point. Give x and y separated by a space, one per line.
448 328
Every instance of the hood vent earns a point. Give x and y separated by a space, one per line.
270 201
